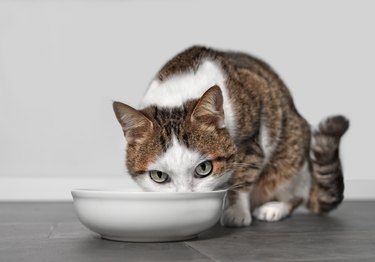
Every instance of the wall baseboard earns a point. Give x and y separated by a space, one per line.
58 189
55 188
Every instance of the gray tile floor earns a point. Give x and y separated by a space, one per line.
51 232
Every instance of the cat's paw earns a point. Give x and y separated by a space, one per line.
272 211
235 216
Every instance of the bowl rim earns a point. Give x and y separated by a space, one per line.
105 193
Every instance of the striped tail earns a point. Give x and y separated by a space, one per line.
327 188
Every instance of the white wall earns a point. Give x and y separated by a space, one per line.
63 62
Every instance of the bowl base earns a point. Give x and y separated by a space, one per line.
156 239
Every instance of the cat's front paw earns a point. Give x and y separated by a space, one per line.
235 216
272 211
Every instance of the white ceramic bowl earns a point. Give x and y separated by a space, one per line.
147 216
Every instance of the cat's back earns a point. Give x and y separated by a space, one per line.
185 77
192 59
190 73
246 82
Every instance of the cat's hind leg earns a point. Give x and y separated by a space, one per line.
273 211
286 197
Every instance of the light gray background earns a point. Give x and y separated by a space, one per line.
63 62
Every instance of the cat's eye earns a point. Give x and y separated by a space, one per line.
158 176
204 169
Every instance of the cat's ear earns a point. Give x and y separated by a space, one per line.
134 123
209 108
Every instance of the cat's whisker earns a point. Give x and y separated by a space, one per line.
237 186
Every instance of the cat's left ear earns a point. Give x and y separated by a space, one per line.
209 108
134 123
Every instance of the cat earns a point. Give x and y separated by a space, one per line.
212 119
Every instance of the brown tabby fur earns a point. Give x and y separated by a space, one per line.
256 92
255 89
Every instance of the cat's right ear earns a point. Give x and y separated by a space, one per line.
209 108
134 123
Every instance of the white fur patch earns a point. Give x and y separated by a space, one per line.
238 214
180 88
296 187
304 184
272 211
179 162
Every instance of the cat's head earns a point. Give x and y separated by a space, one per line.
179 149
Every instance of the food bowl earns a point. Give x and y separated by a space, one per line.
147 216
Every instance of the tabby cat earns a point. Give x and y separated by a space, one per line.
212 120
